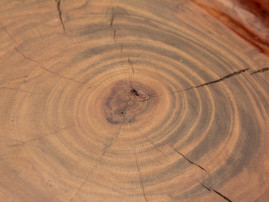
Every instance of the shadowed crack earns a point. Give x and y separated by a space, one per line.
206 187
112 19
188 159
58 5
223 78
140 175
220 194
261 70
106 147
210 82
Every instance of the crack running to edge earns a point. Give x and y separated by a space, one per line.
210 82
220 194
223 78
58 5
193 163
261 70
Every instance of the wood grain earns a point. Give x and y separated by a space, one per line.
249 19
129 101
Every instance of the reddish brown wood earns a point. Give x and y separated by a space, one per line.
249 19
131 100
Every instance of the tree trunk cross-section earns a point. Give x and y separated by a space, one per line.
146 100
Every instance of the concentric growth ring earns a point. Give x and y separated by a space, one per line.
130 105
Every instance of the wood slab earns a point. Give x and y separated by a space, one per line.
146 100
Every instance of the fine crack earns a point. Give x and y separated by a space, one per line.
58 5
121 48
5 30
21 143
193 163
19 90
40 66
153 144
114 34
217 192
84 181
260 70
107 146
140 175
132 67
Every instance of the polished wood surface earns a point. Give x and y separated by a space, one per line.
153 100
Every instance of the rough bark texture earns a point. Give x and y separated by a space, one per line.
146 100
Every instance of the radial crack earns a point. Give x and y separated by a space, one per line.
153 144
45 69
261 70
40 137
58 5
217 192
30 59
106 147
193 163
223 78
210 82
226 198
132 67
5 30
140 175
